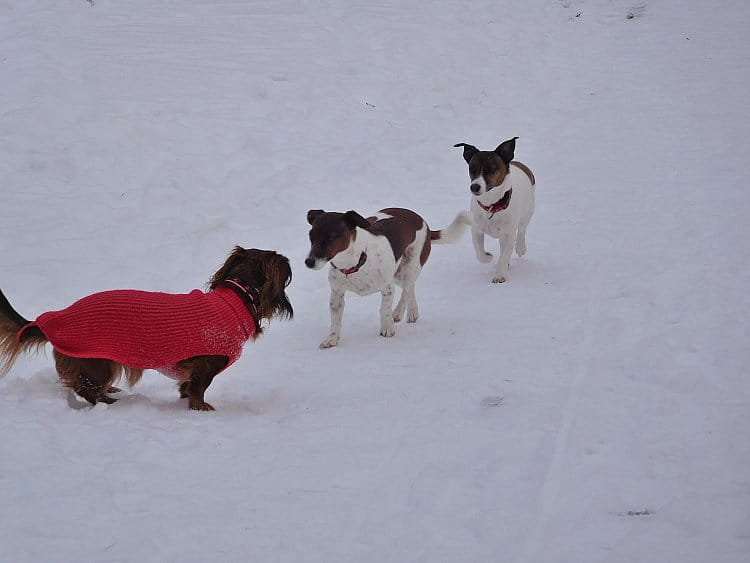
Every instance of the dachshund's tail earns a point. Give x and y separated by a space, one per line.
13 342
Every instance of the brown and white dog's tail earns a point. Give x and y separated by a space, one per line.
11 322
453 232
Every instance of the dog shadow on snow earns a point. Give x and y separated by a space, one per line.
43 389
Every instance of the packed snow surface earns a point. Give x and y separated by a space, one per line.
593 408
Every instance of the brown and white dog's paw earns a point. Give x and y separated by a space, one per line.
500 278
329 342
387 331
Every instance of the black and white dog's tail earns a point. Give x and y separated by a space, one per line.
453 232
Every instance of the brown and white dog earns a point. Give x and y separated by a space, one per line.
502 202
369 255
190 337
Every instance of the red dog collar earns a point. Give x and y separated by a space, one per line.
353 269
499 205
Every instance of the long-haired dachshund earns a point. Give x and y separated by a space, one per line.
190 337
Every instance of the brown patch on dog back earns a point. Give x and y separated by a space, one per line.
526 170
400 228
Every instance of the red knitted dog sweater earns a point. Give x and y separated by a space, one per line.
150 330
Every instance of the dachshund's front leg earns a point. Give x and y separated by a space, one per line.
201 370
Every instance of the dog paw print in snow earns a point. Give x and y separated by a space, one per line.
636 11
492 401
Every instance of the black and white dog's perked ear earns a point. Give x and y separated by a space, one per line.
354 219
314 214
469 151
506 150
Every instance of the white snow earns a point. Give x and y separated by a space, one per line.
532 421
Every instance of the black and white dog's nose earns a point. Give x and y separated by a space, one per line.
475 188
309 261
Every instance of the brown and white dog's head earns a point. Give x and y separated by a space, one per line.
488 169
331 233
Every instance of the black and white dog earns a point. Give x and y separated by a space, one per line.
502 202
369 255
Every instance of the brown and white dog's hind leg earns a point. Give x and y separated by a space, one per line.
406 277
201 371
408 302
522 224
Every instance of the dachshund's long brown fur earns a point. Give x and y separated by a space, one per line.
94 378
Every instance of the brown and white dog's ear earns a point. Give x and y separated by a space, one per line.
354 219
506 150
469 151
314 214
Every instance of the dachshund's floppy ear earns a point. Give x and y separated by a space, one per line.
314 214
506 150
354 219
278 274
469 151
237 255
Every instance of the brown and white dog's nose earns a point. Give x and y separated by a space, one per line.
310 262
475 188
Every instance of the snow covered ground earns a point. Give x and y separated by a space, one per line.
593 408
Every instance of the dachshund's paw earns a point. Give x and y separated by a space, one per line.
196 405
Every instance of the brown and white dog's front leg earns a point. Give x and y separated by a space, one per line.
336 306
386 311
477 237
507 242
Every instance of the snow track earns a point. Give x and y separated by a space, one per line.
548 502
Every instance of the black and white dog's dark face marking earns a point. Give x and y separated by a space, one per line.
331 233
487 169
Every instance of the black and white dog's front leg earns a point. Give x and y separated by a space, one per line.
386 311
337 312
